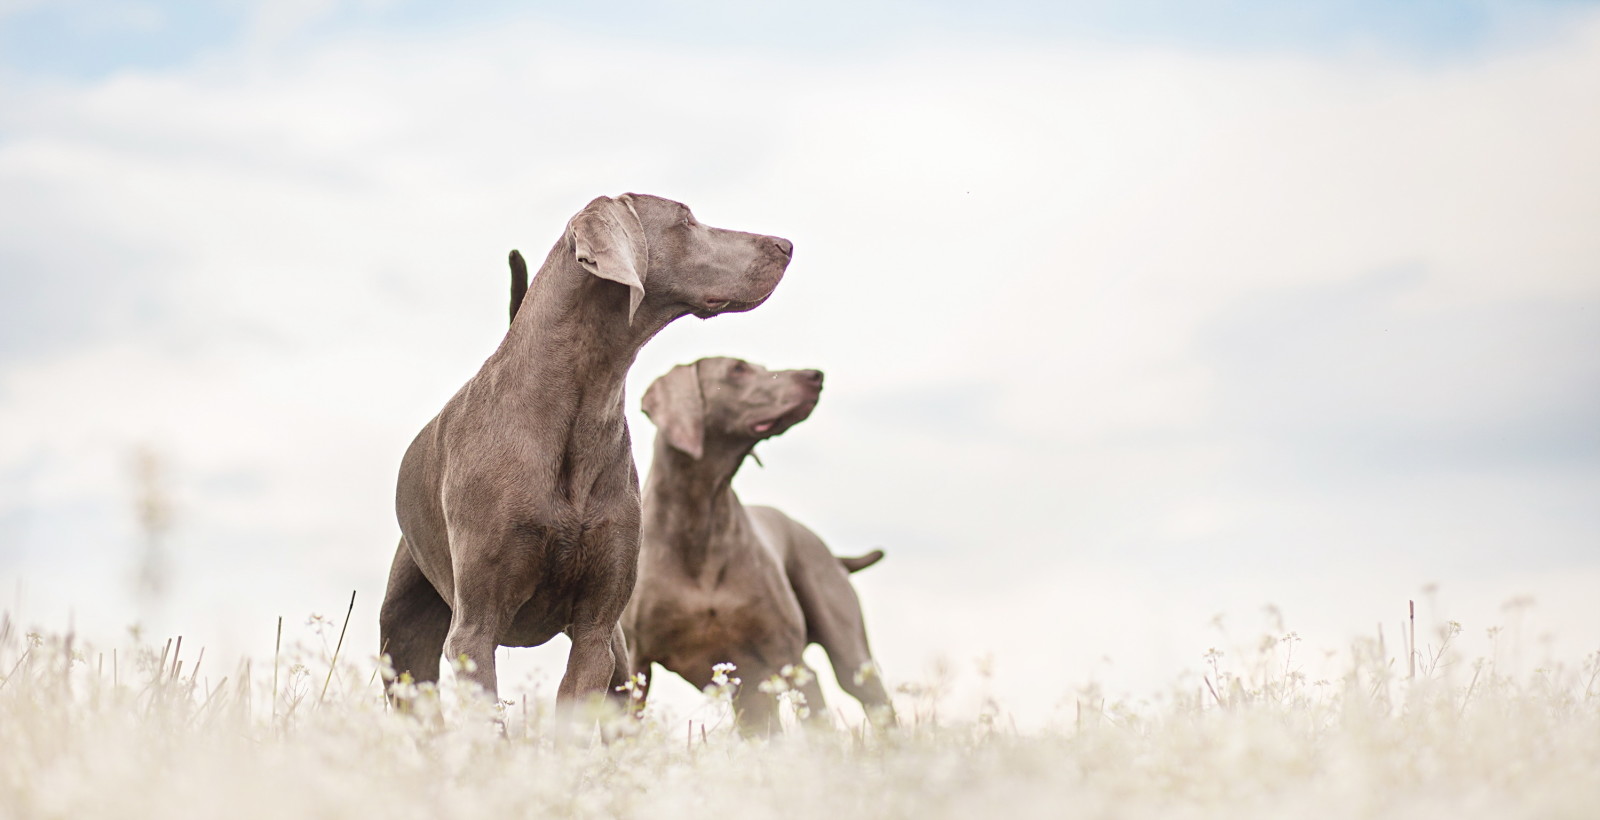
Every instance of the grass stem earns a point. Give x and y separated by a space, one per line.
334 664
277 652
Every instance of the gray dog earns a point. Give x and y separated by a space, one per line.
723 583
519 502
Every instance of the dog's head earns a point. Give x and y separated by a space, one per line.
723 403
658 250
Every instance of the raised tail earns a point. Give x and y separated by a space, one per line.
860 562
519 282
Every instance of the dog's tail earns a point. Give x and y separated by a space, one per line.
861 562
519 282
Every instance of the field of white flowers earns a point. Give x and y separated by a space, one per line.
162 731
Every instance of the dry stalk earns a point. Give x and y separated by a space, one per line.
277 651
334 664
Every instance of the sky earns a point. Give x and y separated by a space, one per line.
1133 315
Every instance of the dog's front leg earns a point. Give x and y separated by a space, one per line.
623 670
596 665
755 712
598 662
475 628
492 580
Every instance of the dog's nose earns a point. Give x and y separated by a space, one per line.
812 376
784 246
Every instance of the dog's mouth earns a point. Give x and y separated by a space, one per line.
768 426
713 307
725 303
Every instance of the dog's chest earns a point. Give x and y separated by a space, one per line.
689 628
699 621
697 615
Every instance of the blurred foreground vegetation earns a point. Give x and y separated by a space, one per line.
161 731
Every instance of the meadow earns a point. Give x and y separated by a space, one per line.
157 729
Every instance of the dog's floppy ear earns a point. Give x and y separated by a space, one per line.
674 402
609 241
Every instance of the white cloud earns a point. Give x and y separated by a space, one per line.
1016 267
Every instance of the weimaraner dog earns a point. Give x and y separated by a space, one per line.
720 582
519 502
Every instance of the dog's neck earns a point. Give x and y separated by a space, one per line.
569 348
690 508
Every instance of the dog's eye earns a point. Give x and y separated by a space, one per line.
739 369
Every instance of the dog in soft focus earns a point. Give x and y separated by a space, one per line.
720 582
